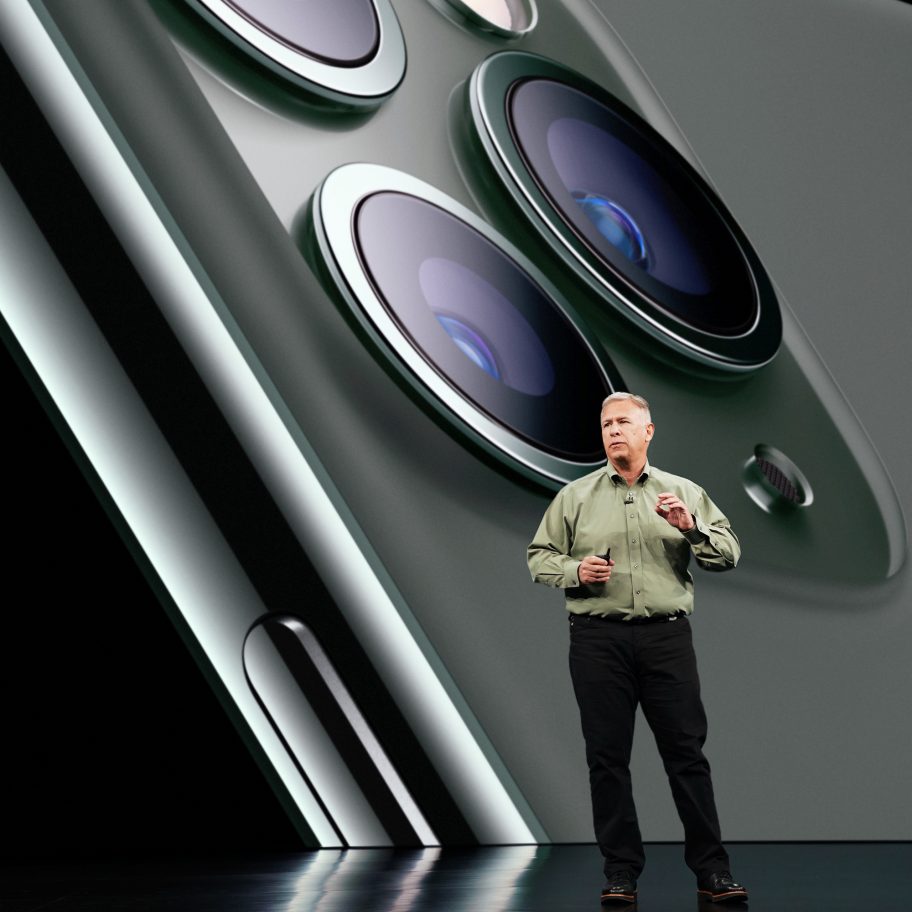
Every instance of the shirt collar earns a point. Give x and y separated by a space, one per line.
618 479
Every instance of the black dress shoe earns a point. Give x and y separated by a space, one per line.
619 888
721 887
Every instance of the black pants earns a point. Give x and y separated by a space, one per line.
614 666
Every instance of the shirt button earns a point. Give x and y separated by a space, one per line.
636 566
631 515
638 592
633 541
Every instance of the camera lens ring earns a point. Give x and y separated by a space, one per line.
339 227
363 77
735 348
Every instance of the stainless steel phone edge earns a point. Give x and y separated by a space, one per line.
461 752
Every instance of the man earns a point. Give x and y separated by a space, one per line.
630 638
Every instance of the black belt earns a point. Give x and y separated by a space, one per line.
617 619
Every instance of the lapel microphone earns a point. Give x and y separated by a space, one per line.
629 498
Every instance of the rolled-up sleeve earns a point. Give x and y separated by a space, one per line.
713 541
548 555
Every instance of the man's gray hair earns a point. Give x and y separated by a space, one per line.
629 397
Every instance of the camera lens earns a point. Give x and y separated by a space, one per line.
348 53
486 326
618 192
612 196
473 325
471 344
480 321
342 32
615 224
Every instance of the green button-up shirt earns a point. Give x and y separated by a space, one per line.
650 575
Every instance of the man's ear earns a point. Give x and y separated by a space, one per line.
650 432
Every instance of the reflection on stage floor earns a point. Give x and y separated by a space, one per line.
822 877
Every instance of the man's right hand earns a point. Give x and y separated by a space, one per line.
595 569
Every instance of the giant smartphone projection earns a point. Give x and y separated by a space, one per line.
406 260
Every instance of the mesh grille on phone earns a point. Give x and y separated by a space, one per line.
774 482
779 480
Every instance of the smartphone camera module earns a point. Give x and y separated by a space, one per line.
502 18
349 52
476 329
622 207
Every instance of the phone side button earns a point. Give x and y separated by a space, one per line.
327 736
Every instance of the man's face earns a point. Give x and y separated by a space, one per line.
625 433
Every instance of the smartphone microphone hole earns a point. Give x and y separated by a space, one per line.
774 482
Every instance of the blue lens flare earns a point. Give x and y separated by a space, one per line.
616 225
471 344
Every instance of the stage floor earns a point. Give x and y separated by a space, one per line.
822 877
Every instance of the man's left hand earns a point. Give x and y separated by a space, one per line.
671 508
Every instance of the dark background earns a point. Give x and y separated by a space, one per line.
114 744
